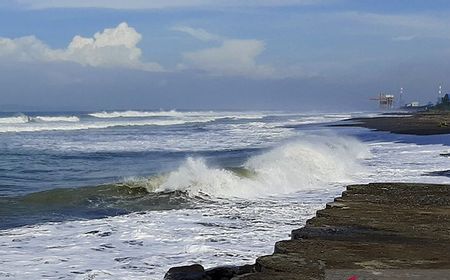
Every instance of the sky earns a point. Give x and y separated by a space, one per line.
314 55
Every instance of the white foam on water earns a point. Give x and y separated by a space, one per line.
48 126
215 136
407 162
57 118
145 246
14 120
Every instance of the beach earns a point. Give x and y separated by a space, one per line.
422 123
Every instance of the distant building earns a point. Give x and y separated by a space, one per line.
413 104
385 101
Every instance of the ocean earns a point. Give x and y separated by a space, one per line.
129 194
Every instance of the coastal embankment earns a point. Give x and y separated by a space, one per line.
373 227
422 123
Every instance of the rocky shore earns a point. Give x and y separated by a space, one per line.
424 123
372 227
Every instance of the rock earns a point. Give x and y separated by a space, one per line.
228 272
197 272
189 272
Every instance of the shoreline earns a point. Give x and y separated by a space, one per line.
371 227
422 123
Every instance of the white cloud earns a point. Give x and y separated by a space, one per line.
233 57
162 4
114 47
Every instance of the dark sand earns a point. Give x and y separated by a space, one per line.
425 123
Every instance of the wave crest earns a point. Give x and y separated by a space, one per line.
135 114
306 164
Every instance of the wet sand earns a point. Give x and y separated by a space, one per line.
425 123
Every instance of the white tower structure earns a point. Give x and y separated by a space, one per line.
400 99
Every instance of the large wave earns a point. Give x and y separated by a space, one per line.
305 164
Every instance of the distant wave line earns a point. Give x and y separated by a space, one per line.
21 119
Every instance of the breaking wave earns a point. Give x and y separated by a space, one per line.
306 164
14 120
22 119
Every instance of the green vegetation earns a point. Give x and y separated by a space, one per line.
443 104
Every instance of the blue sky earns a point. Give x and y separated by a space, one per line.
266 54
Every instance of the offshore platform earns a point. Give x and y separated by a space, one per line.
385 101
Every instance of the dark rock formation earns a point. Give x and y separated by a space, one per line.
189 272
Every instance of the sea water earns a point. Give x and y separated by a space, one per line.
128 194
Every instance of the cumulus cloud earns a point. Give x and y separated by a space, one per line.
114 47
162 4
233 57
